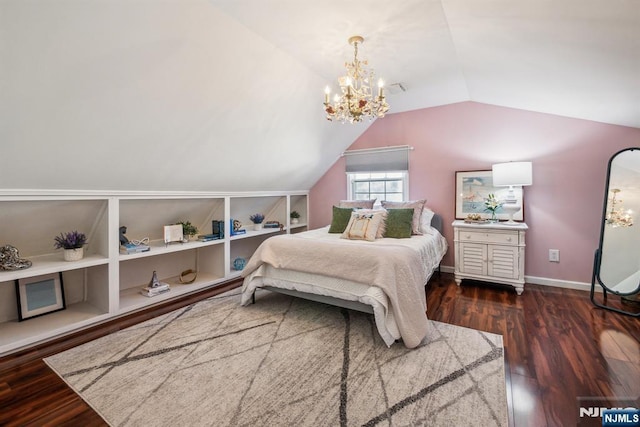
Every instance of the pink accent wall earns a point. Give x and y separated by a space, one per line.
563 206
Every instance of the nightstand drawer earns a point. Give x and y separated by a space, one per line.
505 238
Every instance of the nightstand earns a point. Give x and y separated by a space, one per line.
490 252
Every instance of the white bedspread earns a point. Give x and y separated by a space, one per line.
392 273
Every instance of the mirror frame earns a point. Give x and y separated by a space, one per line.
597 261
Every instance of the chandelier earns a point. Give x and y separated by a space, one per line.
356 99
617 217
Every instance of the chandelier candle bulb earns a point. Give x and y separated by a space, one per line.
327 91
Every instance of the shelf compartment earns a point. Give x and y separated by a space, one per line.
146 218
86 298
208 261
15 335
32 225
131 299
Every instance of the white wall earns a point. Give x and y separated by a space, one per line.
154 95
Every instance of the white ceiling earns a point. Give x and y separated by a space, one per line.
226 95
576 58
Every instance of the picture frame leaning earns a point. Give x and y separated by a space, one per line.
474 187
39 295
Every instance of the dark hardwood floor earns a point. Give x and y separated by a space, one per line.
558 347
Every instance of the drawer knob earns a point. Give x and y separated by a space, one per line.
468 236
508 239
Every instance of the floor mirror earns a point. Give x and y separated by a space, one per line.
616 266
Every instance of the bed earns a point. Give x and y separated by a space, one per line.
385 277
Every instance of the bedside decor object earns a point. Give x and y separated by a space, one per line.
10 259
239 263
295 217
512 174
173 233
189 230
257 221
72 243
355 100
39 295
475 219
491 204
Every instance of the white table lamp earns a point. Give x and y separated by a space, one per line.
510 174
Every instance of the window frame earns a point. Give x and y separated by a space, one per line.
352 179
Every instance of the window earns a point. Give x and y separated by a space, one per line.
390 186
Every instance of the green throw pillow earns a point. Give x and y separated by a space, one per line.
399 223
340 219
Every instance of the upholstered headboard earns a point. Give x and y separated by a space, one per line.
436 222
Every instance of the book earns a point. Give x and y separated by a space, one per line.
207 237
153 294
132 248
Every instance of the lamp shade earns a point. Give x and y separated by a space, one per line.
512 173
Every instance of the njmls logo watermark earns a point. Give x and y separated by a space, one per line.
608 412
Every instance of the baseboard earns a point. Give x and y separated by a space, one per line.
544 281
567 284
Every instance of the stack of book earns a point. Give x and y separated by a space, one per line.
208 237
132 248
272 224
155 291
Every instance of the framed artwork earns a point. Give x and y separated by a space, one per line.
474 187
39 295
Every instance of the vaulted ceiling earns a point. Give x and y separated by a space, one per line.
226 94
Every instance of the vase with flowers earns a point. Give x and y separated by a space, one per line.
73 244
492 204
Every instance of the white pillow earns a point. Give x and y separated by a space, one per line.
425 220
383 225
363 226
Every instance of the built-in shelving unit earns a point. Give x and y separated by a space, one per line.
105 283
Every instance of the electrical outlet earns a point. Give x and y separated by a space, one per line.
554 255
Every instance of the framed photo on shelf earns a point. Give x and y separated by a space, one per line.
474 187
39 295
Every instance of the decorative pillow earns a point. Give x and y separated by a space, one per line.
417 206
363 226
399 223
425 220
340 219
383 224
357 204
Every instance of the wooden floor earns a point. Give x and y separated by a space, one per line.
558 347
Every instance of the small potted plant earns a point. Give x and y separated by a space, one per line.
188 230
295 217
73 244
257 221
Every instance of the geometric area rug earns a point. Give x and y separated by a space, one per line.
285 361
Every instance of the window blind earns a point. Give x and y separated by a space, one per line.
388 159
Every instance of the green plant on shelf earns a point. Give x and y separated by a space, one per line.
188 229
